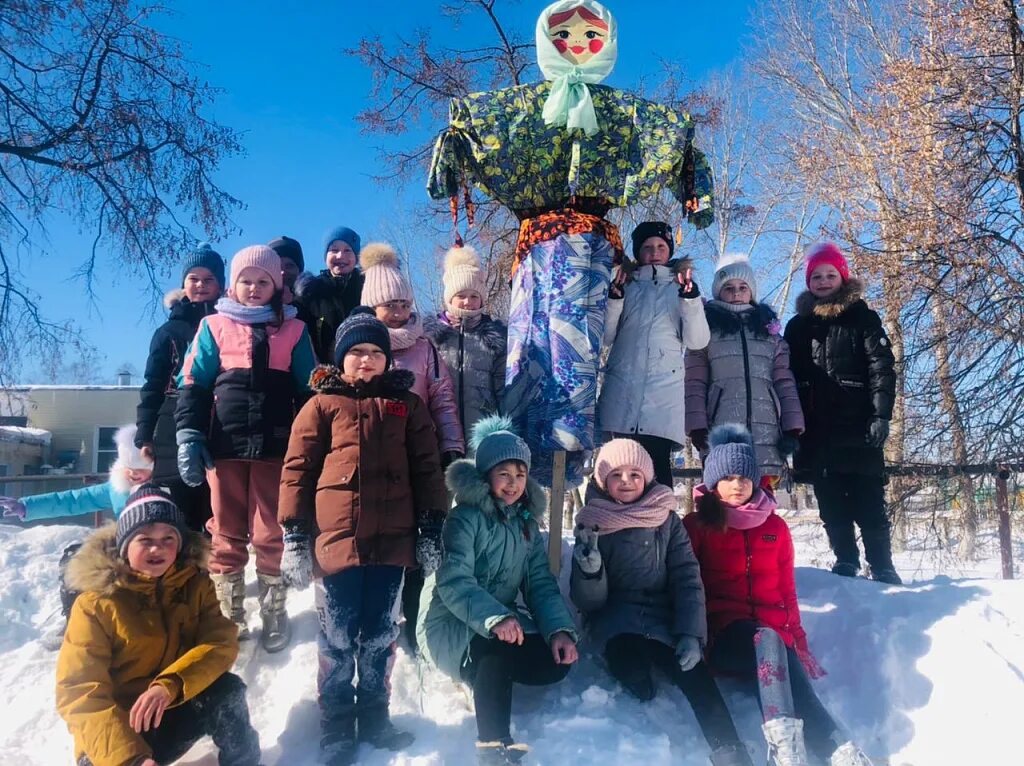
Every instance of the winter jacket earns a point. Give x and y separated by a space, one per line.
159 396
242 383
648 331
323 302
362 461
111 495
433 385
845 373
649 584
128 632
476 361
743 376
748 575
492 553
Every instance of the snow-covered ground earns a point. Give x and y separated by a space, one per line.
929 674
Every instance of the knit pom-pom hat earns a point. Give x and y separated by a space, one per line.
462 272
361 326
149 504
734 266
731 454
382 275
257 257
826 252
619 453
495 442
204 256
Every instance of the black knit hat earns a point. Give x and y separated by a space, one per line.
286 247
652 229
204 256
149 504
362 326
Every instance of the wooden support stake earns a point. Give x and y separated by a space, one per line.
1003 509
555 513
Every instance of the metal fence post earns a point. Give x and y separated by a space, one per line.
1003 509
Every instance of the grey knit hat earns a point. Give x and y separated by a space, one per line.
735 266
731 454
495 442
149 504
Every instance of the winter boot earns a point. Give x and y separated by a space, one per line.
501 752
338 746
785 737
730 755
878 552
375 728
845 569
277 631
230 589
843 541
848 754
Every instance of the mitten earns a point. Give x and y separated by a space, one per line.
788 443
688 652
448 457
699 437
428 541
615 292
585 552
13 508
193 458
689 290
878 432
296 560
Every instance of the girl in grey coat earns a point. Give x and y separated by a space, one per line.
743 376
637 581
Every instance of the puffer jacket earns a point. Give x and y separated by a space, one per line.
648 331
158 399
476 361
845 373
111 495
649 583
362 461
492 553
324 302
748 575
743 376
241 384
128 632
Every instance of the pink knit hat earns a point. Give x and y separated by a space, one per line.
622 452
383 279
259 257
826 252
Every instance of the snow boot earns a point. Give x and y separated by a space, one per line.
730 755
887 576
501 752
277 631
848 754
375 728
338 746
785 737
230 589
845 569
878 552
842 539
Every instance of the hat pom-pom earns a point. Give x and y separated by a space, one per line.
729 433
492 424
377 254
461 256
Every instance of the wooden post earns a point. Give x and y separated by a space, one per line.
1003 509
555 512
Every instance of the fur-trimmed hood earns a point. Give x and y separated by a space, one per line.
850 293
181 308
310 286
328 379
98 567
471 489
492 332
757 320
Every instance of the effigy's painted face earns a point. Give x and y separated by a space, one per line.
577 39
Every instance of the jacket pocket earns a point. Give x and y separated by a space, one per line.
339 476
714 400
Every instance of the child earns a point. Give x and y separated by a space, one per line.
654 313
361 473
292 261
471 626
202 277
470 342
325 300
743 375
245 375
746 562
638 584
143 672
844 367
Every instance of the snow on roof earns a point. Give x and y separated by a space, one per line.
25 435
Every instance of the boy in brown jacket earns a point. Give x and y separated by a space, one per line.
147 603
362 497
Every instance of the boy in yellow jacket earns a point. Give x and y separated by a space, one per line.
143 671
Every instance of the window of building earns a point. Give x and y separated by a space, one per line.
106 448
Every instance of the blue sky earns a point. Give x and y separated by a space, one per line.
293 93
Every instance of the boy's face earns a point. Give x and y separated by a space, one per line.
654 251
200 285
625 484
254 287
394 314
340 258
735 490
290 269
138 475
508 481
825 281
364 361
736 292
153 549
467 300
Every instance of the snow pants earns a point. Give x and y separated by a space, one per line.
845 499
493 667
631 660
220 711
244 494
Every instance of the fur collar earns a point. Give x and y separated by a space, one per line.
173 297
98 568
492 332
831 307
471 489
757 320
182 308
328 379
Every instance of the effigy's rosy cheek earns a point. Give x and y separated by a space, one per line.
560 45
596 45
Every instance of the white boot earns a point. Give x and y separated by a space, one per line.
231 595
785 738
277 631
848 754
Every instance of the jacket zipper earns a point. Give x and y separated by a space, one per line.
462 380
746 379
750 575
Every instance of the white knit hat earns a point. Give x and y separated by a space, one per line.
462 272
383 278
128 455
734 266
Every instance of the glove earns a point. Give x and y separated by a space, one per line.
296 560
193 458
690 290
13 508
788 443
448 457
878 432
699 437
586 553
688 652
428 541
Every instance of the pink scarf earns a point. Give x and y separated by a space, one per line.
608 516
750 515
405 336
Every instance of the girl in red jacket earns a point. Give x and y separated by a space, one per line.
746 562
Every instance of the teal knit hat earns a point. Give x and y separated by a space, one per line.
495 442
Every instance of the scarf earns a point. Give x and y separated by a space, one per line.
252 314
752 513
609 516
569 102
405 336
736 308
468 318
